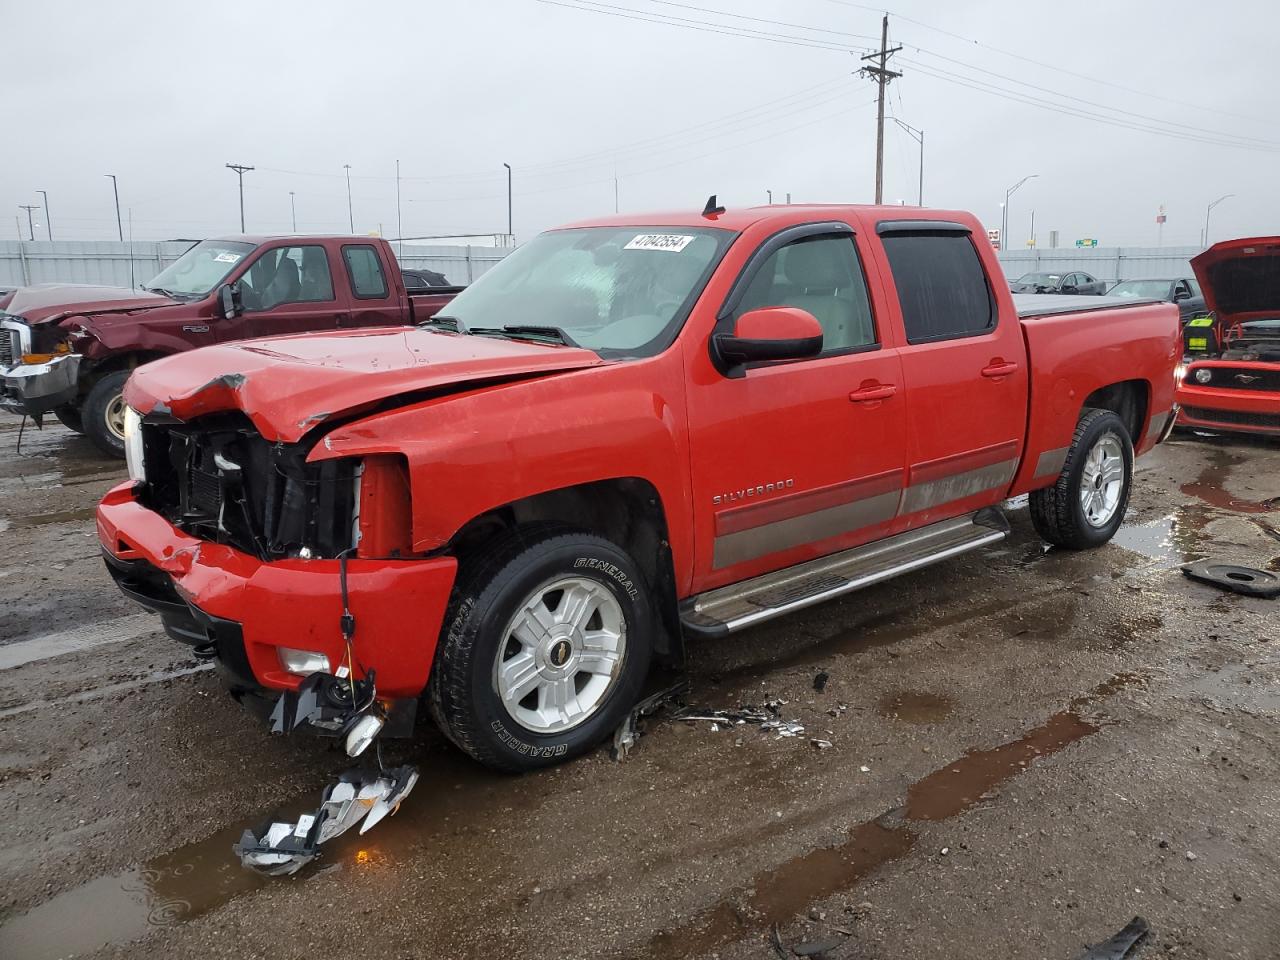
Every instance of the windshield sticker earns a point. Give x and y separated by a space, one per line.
227 258
670 242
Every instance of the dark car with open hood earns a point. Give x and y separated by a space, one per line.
68 349
1232 378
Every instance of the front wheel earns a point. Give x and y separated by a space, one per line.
1086 505
544 649
103 414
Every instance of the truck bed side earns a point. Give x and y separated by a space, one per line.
1074 355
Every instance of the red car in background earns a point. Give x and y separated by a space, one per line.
1232 381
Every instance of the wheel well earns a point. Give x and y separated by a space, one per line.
1127 400
114 363
627 511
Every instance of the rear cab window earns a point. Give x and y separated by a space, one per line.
364 269
942 287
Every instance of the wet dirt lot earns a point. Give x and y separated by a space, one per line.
1029 747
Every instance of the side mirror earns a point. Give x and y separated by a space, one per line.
765 335
229 304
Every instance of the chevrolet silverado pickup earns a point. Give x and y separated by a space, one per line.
67 349
1232 379
630 432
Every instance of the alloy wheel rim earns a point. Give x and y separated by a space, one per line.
115 416
560 655
1102 480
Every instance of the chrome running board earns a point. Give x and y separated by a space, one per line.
762 598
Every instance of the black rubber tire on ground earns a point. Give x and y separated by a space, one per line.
69 416
101 398
461 692
1057 512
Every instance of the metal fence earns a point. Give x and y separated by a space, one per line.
1105 263
115 264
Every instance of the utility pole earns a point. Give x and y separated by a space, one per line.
882 75
293 212
240 170
115 189
918 137
351 217
511 237
48 224
31 230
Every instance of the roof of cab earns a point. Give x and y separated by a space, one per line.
740 218
272 237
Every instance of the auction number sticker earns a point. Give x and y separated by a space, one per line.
670 242
227 258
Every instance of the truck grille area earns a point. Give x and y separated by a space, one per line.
9 347
218 479
1236 378
1268 421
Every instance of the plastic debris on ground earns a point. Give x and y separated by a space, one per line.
768 719
1249 581
628 732
1122 945
279 848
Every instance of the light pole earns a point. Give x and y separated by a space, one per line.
31 230
115 189
1004 227
351 217
399 224
918 136
1208 210
511 236
293 212
48 224
770 194
240 170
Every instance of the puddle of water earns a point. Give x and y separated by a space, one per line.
779 894
1210 485
1240 686
98 693
58 644
61 516
175 887
911 707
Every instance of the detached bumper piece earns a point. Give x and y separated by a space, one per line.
279 849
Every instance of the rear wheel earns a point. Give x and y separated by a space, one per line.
545 648
103 414
69 416
1087 504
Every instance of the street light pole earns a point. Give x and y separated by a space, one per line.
511 236
240 170
1208 210
293 212
399 225
115 189
1004 227
48 224
918 136
351 217
31 230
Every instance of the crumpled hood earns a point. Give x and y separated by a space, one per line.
1241 279
287 385
45 302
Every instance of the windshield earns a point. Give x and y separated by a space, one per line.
1144 289
1044 279
620 291
200 269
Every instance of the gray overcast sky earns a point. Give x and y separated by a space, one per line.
164 94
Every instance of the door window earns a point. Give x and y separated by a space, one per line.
287 275
821 275
365 270
942 287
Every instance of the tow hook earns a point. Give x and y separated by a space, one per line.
279 848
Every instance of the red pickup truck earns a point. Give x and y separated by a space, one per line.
1232 379
629 432
68 349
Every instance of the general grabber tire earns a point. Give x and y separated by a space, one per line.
1087 504
545 647
103 414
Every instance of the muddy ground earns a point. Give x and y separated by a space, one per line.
1029 748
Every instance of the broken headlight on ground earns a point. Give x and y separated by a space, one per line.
280 848
333 706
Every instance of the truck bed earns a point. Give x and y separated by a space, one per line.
1049 304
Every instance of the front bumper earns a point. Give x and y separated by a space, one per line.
240 610
37 388
1244 411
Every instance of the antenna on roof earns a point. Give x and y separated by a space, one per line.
712 209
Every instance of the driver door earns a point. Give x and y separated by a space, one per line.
795 460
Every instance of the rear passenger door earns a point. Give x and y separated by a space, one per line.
965 371
375 298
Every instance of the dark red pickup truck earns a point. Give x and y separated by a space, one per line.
68 349
628 432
